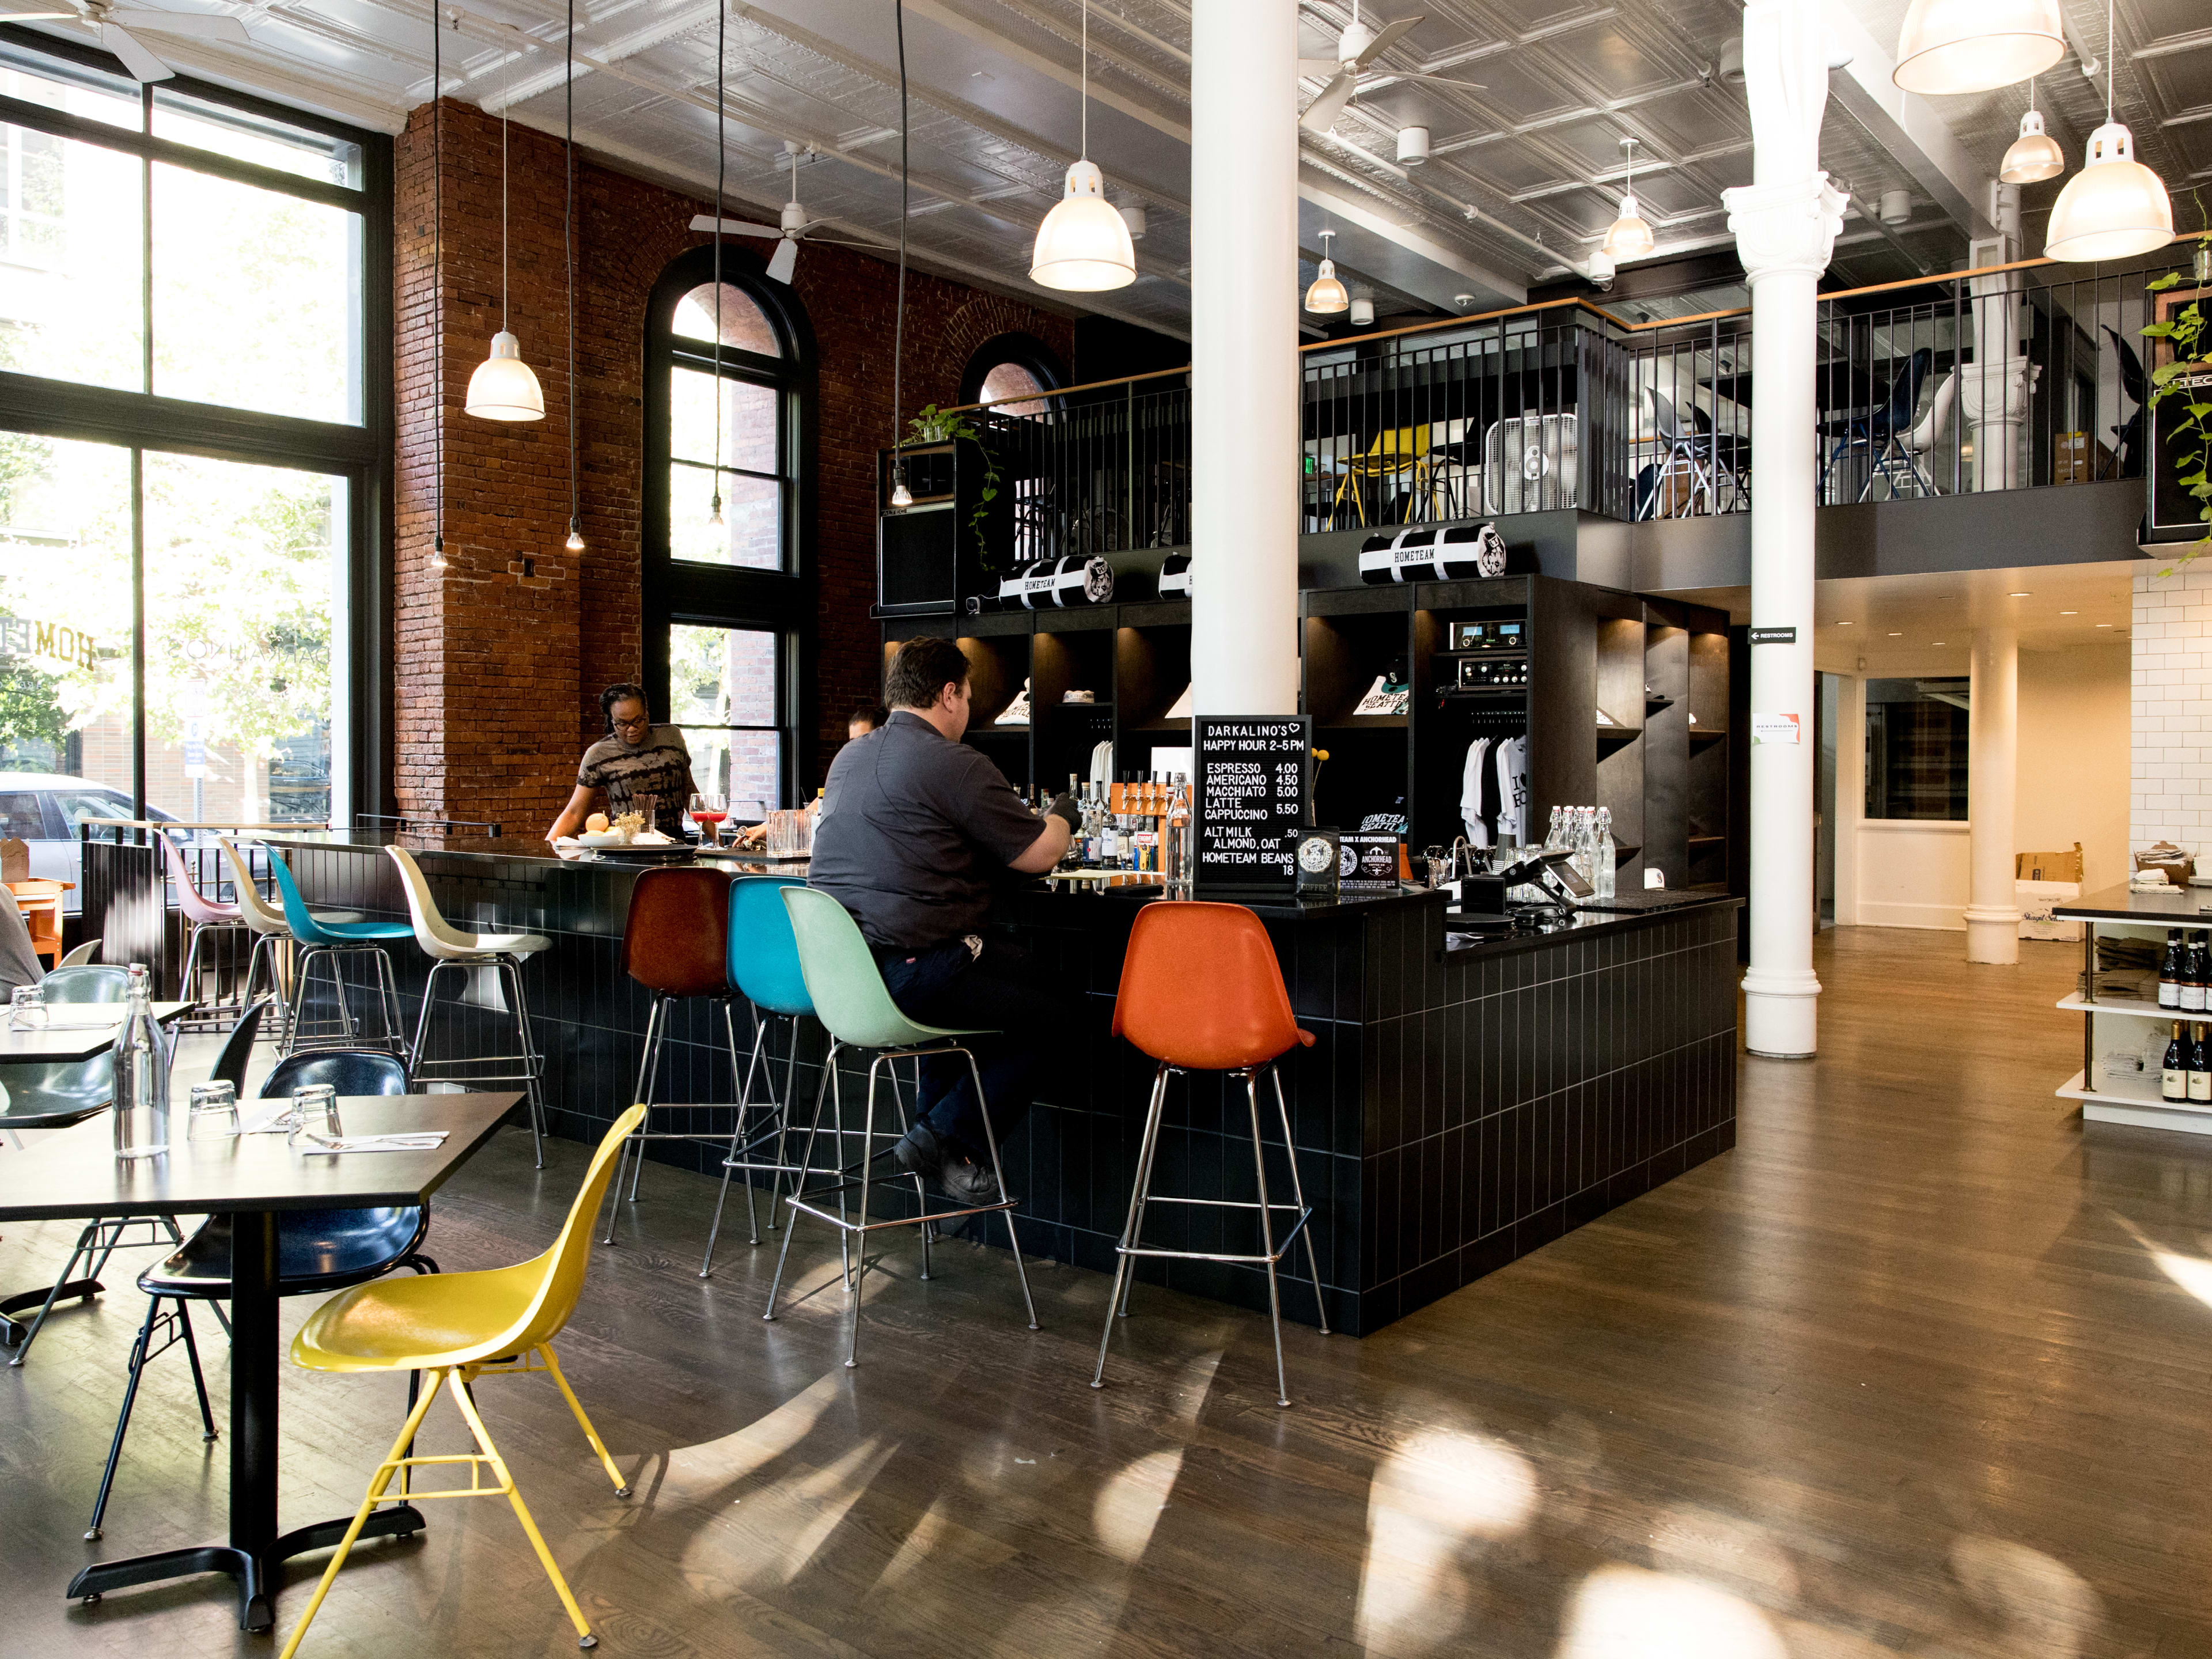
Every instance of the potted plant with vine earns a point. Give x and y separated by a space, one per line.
933 425
2187 375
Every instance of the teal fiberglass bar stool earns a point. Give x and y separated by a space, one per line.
331 943
855 1007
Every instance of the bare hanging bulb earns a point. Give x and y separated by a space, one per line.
715 512
437 553
902 497
575 542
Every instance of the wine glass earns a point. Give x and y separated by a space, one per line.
708 811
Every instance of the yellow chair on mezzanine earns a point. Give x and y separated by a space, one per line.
458 1326
1401 453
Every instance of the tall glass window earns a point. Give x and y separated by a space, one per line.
726 690
747 456
216 252
1917 743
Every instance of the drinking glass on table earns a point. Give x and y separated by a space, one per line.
708 811
214 1112
27 1009
313 1116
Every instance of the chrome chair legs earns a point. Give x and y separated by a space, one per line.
775 1128
853 1231
386 991
470 1069
1270 1251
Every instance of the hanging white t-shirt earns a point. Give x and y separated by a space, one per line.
1474 780
1512 791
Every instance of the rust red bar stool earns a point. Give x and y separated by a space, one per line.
1201 991
676 944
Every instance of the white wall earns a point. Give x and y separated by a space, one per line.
2170 788
2075 717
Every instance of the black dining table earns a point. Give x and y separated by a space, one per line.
254 1179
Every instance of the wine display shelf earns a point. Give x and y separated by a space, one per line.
2109 1104
2130 1006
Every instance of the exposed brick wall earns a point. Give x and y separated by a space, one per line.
497 681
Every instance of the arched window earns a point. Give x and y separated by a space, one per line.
728 628
749 457
1013 373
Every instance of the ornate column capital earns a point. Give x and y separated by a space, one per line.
1996 392
1785 228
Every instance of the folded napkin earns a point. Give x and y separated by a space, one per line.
427 1142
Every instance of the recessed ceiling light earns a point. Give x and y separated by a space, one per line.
1847 625
1896 636
2069 613
2020 596
2103 624
1934 642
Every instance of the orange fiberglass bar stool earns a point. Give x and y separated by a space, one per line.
1201 991
676 944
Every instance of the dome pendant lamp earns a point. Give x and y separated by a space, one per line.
575 542
1976 46
503 388
2034 155
1628 237
1326 296
1083 246
2115 207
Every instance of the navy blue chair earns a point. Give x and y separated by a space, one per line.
318 1251
1879 436
2128 436
53 1095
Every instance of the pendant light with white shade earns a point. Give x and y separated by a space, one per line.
1629 237
721 157
503 388
437 295
575 542
1083 246
2034 155
2115 207
1976 46
1326 296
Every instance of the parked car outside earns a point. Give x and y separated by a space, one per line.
43 809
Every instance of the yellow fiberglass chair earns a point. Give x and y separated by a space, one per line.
468 1325
1400 454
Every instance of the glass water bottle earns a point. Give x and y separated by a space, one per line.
142 1075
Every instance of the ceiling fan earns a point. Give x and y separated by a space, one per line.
116 25
1355 48
796 226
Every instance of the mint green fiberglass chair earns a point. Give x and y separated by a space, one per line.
855 1008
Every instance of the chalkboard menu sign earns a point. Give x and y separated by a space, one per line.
1250 798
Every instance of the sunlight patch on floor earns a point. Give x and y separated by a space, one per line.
1432 1499
1626 1612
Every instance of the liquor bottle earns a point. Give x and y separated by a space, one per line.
142 1074
1174 839
2173 1080
2169 971
1604 883
2200 1067
2195 968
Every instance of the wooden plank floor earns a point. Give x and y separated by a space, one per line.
1921 1368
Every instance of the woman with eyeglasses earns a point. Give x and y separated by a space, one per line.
636 759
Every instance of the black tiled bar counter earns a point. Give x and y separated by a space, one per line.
1461 1106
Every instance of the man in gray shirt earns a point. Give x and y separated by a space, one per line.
917 833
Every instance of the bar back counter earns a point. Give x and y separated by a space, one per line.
1464 1103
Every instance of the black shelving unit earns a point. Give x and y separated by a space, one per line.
1659 669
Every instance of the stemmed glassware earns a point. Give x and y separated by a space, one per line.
708 811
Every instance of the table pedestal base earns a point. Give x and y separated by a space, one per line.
15 1333
256 1611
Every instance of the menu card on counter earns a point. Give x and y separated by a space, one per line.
1250 798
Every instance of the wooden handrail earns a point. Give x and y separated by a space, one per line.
1575 301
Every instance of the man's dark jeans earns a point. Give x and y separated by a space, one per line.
1001 991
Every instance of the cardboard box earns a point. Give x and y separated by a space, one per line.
2035 899
2077 457
2048 866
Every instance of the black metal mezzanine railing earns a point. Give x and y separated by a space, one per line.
2009 377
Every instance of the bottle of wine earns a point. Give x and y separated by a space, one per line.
2195 968
2169 971
2200 1067
2173 1081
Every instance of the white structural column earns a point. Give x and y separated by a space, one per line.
1992 777
1993 389
1785 224
1243 357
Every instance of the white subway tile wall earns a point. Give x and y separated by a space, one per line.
2170 774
